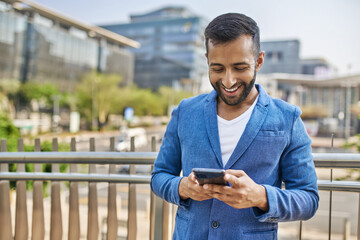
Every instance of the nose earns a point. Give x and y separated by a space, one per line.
229 80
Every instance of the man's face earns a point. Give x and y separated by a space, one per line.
232 69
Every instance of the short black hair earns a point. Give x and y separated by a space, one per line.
230 26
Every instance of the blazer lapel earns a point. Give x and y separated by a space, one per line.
210 114
252 128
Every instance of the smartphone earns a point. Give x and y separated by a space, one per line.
210 176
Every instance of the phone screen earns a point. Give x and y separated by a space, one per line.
210 176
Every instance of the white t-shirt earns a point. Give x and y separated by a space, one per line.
231 131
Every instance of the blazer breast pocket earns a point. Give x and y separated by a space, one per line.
271 133
271 142
265 151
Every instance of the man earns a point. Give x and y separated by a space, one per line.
259 141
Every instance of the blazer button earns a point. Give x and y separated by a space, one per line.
215 224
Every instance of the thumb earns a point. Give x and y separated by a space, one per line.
233 180
237 173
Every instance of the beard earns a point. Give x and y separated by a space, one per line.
232 101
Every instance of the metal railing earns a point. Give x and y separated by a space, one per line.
159 210
161 215
341 161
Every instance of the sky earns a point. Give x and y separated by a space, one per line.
328 29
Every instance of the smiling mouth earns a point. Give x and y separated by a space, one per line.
231 90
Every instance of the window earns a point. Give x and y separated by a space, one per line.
275 56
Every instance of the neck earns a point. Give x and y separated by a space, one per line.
229 112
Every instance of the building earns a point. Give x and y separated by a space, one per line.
38 44
283 56
315 66
330 104
172 48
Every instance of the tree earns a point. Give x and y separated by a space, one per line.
171 96
9 132
98 96
42 92
8 91
144 102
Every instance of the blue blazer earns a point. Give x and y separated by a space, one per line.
274 148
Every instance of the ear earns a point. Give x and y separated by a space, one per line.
260 61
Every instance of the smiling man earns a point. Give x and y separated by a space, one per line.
259 141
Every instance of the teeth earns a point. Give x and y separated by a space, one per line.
231 89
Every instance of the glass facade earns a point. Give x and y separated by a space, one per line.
118 61
59 56
35 49
172 48
12 29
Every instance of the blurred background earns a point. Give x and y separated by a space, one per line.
98 69
75 66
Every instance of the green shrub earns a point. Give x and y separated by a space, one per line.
11 134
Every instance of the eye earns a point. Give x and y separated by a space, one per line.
241 69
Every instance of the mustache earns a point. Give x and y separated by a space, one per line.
236 85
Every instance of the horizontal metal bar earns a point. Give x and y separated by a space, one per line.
342 186
324 160
348 186
337 160
78 177
79 157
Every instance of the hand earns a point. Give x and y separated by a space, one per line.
243 193
190 188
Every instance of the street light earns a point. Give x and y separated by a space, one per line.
56 112
348 105
94 103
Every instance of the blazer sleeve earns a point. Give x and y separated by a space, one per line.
167 167
299 200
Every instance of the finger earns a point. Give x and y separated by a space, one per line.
235 181
205 190
235 172
192 178
216 188
224 198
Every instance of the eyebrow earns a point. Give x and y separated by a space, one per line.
234 64
215 64
241 63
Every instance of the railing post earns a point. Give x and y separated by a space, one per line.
156 211
347 229
152 198
166 220
74 213
5 216
159 215
93 218
56 218
21 217
132 223
158 228
165 210
173 217
112 224
38 222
